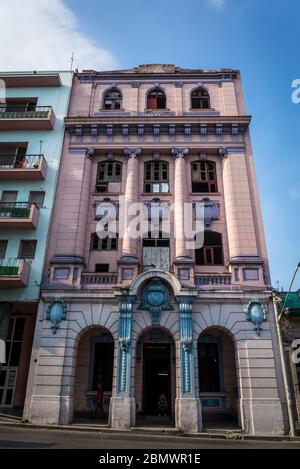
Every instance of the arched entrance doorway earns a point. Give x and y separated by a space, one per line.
155 377
218 389
94 371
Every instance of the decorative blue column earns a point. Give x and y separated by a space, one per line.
188 415
125 349
187 365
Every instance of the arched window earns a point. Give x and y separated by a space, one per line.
200 99
156 99
212 251
108 171
112 99
156 176
204 176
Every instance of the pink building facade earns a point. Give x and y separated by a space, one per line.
157 314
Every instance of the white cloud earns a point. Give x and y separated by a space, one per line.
216 4
42 34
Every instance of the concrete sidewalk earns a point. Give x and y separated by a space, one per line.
214 433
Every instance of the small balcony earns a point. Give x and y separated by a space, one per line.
25 167
18 215
92 280
19 117
212 280
14 273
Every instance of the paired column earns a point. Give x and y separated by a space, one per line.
122 404
188 407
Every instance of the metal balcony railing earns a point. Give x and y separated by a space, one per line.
21 111
10 266
31 161
15 209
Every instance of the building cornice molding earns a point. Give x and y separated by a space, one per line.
107 296
148 149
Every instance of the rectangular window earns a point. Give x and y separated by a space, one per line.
104 244
237 275
3 247
9 196
37 198
19 104
250 274
8 375
75 274
27 249
156 176
61 273
101 268
204 177
11 154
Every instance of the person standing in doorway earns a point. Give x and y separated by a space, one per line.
162 405
99 397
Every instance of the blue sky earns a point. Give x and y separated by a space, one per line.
259 37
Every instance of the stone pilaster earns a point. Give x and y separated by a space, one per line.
188 407
122 410
238 206
180 198
129 246
182 258
83 212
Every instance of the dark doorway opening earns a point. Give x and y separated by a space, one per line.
103 364
157 377
217 380
94 377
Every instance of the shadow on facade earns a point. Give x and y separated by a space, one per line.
217 379
94 376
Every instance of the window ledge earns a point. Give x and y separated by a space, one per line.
106 194
154 194
112 110
201 109
205 193
157 110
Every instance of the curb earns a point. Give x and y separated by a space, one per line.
135 432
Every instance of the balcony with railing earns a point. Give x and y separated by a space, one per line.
22 167
212 281
18 215
24 117
14 273
95 279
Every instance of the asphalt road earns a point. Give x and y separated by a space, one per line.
27 438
